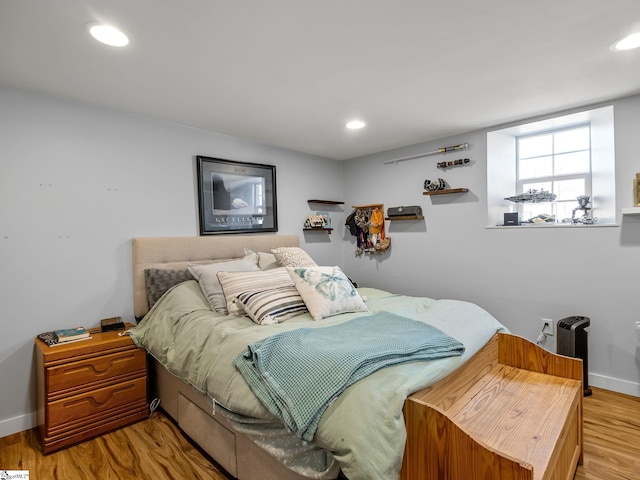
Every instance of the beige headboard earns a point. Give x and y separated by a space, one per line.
178 252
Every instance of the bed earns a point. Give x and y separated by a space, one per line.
503 408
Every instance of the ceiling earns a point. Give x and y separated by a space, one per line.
291 73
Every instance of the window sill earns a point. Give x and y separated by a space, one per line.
526 226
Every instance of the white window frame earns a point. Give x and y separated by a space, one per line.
502 175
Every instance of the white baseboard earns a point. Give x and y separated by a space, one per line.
21 423
614 384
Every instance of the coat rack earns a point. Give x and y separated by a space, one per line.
453 148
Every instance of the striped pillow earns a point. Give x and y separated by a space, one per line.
266 307
234 283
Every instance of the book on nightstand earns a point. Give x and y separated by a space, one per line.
64 336
70 334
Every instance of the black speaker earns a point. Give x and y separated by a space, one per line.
573 342
511 219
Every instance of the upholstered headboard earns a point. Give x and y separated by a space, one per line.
179 252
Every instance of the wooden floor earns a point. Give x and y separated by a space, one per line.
152 449
611 437
155 449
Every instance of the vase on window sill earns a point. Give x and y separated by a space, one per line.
636 190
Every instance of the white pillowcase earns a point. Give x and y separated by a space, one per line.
234 283
326 291
266 261
293 257
208 279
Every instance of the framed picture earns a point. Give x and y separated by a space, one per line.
236 197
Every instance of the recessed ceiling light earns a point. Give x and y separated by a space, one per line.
355 124
627 43
108 34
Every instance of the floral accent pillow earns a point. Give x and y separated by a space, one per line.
326 291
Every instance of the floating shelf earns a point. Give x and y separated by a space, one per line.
326 202
369 205
406 217
445 192
631 211
319 229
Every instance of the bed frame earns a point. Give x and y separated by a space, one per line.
513 411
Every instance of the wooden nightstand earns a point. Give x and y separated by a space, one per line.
88 388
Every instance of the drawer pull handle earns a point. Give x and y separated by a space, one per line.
108 397
101 371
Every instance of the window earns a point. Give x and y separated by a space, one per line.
568 156
559 162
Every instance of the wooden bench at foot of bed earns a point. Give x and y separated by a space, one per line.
513 411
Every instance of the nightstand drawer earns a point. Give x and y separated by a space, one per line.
97 402
92 370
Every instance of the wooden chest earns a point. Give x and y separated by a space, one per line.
87 388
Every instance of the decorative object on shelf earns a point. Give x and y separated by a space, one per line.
533 196
236 197
430 186
453 163
511 219
404 213
319 220
366 223
583 205
636 190
541 218
453 148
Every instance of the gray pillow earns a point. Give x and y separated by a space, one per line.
159 280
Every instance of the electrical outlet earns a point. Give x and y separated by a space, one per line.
548 326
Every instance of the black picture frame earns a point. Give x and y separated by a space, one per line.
236 197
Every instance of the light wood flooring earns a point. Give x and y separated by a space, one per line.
155 449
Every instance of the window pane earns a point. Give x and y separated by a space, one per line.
535 167
535 146
567 163
571 140
546 186
565 210
569 189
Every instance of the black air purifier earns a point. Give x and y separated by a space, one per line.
572 342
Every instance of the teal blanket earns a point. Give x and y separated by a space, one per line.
296 374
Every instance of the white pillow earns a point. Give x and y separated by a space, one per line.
208 279
293 257
326 291
266 261
234 283
266 307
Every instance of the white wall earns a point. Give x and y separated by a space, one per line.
77 182
519 275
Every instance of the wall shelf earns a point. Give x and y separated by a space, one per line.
369 206
405 217
319 229
326 202
445 192
631 211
